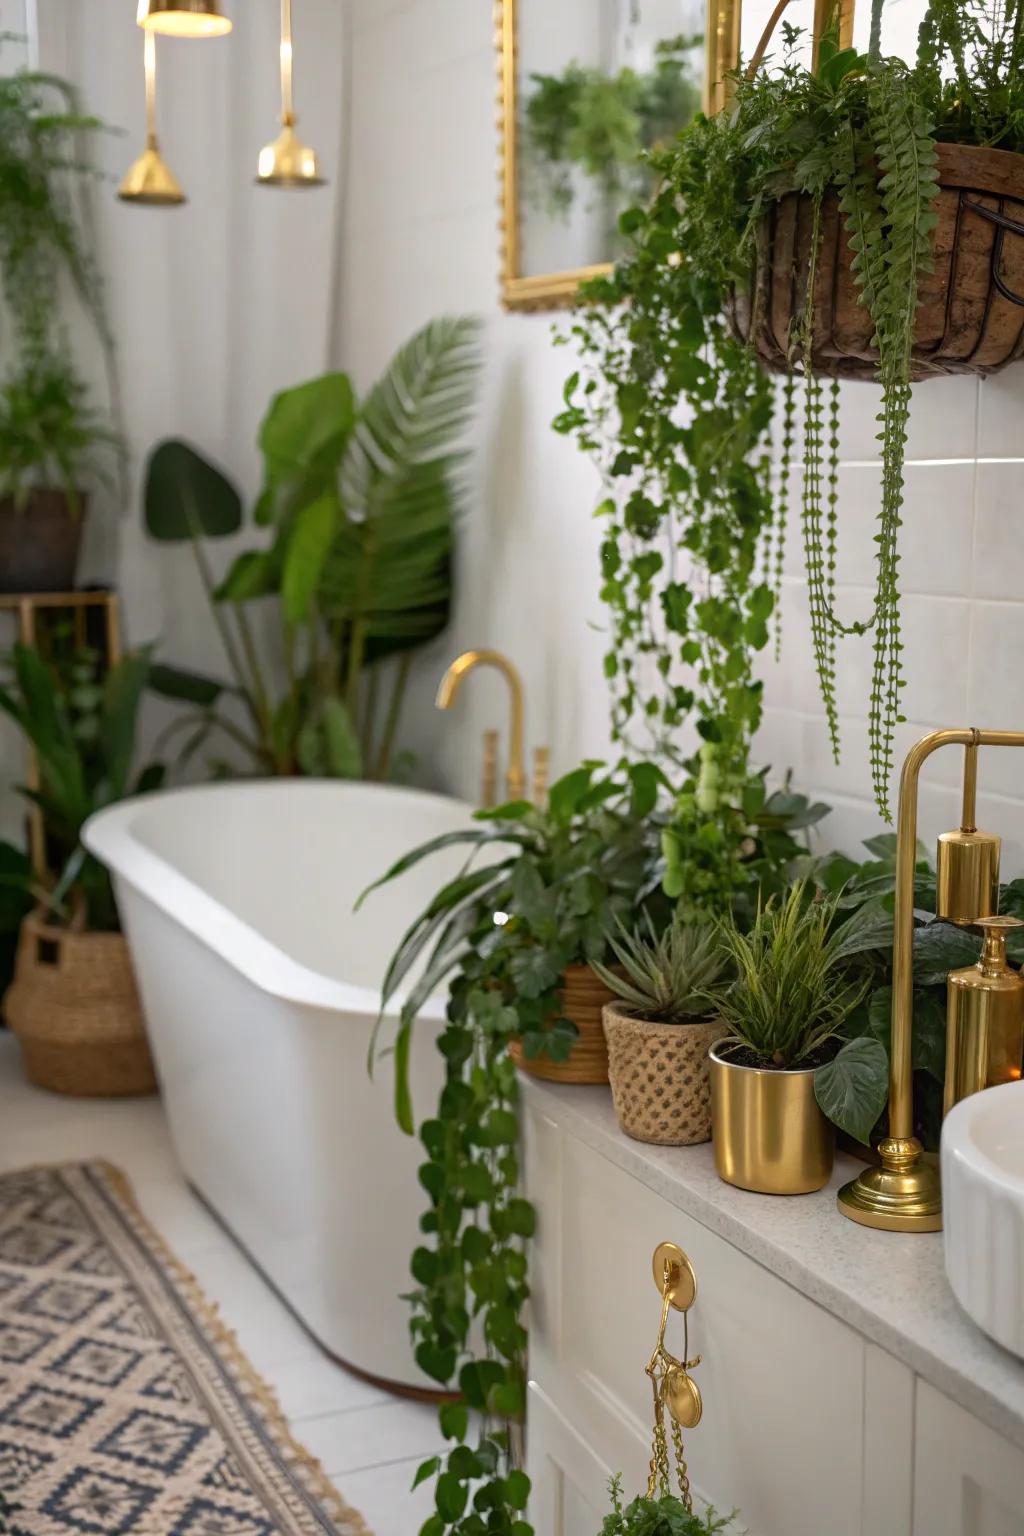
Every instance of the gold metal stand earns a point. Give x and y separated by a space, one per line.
904 1194
28 606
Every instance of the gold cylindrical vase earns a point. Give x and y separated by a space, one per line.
768 1132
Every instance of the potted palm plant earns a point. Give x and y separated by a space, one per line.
73 1004
361 501
660 1029
793 991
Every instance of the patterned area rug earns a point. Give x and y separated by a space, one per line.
126 1409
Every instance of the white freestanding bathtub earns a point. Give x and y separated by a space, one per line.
260 988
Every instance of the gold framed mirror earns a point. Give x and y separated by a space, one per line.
583 85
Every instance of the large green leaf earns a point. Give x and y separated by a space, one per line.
187 497
309 541
185 687
852 1089
389 572
122 695
303 438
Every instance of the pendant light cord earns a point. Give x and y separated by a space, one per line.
287 106
149 48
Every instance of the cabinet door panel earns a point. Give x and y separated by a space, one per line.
968 1481
783 1381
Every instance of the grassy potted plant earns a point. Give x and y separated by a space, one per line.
51 441
73 1004
660 1028
792 993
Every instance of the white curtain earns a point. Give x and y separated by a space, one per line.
220 303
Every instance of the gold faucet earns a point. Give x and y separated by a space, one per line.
903 1194
515 778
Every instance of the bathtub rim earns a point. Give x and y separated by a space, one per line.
108 835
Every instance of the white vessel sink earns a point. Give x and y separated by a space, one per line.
983 1201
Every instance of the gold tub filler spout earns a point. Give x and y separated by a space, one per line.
515 776
986 1002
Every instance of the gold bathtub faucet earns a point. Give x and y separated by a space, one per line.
904 1194
515 777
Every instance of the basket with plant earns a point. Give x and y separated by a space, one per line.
661 1027
792 992
74 1005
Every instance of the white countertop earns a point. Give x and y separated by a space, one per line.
890 1287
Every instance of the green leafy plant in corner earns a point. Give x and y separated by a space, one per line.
360 503
539 892
82 729
47 240
674 407
671 977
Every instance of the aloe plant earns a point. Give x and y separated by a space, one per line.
360 502
671 977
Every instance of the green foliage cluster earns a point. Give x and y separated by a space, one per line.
360 502
538 893
82 728
663 1516
601 123
677 414
541 890
671 977
48 433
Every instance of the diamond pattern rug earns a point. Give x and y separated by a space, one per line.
126 1409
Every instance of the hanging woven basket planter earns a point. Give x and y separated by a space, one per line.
971 313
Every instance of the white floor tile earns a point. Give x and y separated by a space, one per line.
382 1496
370 1437
310 1386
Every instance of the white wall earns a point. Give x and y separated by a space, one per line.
420 237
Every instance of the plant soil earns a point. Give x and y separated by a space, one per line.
743 1056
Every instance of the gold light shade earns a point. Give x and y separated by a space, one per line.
287 162
151 180
184 18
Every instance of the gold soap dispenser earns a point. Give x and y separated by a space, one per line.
984 1018
967 862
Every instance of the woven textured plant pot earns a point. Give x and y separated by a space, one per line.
583 998
659 1076
967 321
74 1007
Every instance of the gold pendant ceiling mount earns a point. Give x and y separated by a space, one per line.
150 180
286 161
184 18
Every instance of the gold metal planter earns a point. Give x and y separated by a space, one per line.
768 1133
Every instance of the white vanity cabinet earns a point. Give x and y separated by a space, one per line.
813 1426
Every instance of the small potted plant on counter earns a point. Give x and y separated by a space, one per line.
660 1029
792 993
74 1005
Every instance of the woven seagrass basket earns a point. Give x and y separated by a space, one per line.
583 998
659 1077
971 313
75 1009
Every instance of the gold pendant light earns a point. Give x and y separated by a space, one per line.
150 180
184 18
287 162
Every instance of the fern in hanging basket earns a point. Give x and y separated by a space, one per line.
859 220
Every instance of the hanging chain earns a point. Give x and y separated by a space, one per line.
659 1368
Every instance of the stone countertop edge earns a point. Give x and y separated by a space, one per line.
890 1287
